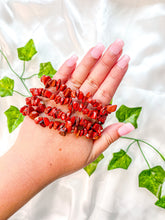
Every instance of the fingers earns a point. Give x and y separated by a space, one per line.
85 66
107 89
103 67
110 134
66 69
100 75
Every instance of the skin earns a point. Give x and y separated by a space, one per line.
36 160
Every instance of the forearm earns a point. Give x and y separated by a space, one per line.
23 174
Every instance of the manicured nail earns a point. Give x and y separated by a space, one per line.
97 51
122 63
125 129
116 47
72 61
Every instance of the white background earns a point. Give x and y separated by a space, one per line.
60 29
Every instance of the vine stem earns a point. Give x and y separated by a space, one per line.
16 73
25 86
143 155
19 93
146 144
130 146
9 64
30 76
23 69
154 149
130 138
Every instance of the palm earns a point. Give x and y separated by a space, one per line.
97 74
71 150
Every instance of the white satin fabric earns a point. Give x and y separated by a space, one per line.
59 29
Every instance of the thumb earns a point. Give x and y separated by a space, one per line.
109 135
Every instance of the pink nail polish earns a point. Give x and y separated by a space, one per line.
122 63
116 47
125 129
72 61
97 51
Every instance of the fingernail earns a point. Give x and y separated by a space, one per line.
72 61
116 47
122 63
97 51
125 129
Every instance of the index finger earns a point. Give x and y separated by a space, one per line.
66 70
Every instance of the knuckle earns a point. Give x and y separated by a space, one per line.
106 64
105 94
85 65
76 82
93 83
60 74
108 61
109 139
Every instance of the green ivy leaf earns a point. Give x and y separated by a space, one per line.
46 69
14 118
126 114
92 166
120 160
27 52
6 86
152 179
161 202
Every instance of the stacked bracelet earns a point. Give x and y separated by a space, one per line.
94 112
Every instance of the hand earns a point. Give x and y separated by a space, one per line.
98 74
41 155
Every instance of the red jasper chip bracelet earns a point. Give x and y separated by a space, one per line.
94 112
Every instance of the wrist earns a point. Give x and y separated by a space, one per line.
37 163
24 172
